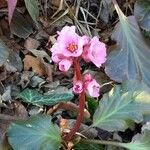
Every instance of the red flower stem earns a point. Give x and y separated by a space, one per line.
80 116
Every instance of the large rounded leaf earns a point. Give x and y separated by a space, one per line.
139 141
131 58
131 100
36 133
142 13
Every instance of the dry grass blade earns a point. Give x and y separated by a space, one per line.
59 8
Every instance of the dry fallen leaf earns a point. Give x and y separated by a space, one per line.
40 54
3 73
38 66
55 3
64 124
35 64
68 106
3 128
3 3
31 43
20 110
49 71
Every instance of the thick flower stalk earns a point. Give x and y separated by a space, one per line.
68 50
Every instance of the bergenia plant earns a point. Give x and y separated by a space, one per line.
69 49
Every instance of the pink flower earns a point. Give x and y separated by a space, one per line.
68 43
65 64
87 77
57 57
95 51
78 87
91 86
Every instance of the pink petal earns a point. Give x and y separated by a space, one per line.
84 42
57 57
93 88
64 30
68 38
97 52
87 77
65 64
11 7
78 87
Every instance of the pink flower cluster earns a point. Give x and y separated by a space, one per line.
88 84
70 45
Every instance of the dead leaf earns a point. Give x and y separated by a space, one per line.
7 94
68 106
49 71
25 78
84 130
51 40
55 3
64 124
20 110
4 27
42 35
31 43
20 26
3 3
37 81
40 54
35 110
9 58
3 73
35 64
3 129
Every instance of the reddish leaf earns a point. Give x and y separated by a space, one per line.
11 8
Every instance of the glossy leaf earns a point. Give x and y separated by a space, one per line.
11 7
92 104
131 58
139 141
142 13
33 9
37 132
129 101
34 97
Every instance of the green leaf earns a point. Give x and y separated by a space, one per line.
89 146
131 58
131 100
20 26
33 9
35 133
92 104
142 13
32 96
139 142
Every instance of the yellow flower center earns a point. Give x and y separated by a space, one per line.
72 47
